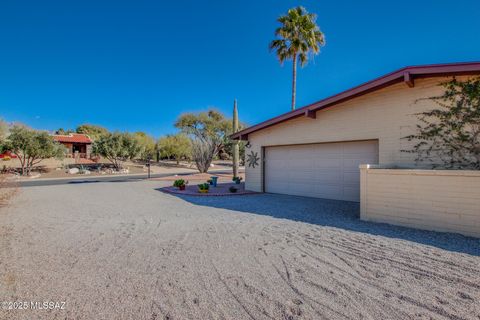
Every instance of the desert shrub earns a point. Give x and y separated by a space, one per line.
117 147
93 131
32 146
208 132
203 186
451 132
146 145
179 183
176 146
203 151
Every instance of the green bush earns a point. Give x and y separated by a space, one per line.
237 179
203 186
178 183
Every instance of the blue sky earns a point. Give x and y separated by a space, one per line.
137 65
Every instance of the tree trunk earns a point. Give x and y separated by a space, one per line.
235 142
22 163
294 81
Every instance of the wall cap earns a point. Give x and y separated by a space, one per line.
409 170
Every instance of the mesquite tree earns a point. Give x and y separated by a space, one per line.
117 147
32 147
208 132
176 146
451 132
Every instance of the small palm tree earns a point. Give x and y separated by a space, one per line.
298 38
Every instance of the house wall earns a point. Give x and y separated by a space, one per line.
440 200
387 115
89 151
69 146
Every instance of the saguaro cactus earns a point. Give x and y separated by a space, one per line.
236 152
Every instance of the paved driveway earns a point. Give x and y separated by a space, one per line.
128 251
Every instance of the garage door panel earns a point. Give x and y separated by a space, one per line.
327 163
328 177
328 170
351 178
328 191
351 193
327 148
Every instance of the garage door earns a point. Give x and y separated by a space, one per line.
327 170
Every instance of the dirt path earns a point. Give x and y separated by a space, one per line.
127 251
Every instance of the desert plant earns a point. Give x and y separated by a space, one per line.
4 128
237 180
203 187
32 146
176 146
208 132
451 132
235 146
232 189
178 183
93 131
146 145
203 151
298 37
116 147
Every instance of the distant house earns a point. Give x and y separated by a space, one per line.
7 155
78 145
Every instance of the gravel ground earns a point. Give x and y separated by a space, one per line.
127 251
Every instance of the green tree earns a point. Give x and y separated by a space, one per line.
451 132
3 134
3 130
93 131
117 147
62 131
32 146
208 131
176 146
298 38
146 144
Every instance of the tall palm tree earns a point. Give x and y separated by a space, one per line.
299 37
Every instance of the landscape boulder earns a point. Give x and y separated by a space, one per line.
73 171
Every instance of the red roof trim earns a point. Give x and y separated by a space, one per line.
407 74
72 138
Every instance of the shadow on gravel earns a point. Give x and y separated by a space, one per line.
333 213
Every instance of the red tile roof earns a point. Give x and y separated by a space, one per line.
72 138
407 75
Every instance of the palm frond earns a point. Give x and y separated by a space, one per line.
298 34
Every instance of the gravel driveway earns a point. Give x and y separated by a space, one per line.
128 251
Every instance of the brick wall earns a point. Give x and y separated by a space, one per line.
440 200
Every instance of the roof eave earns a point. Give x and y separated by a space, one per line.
407 75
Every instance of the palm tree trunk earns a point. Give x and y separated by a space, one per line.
294 81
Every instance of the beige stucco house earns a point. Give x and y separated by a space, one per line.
316 150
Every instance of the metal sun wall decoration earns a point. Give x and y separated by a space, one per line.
252 159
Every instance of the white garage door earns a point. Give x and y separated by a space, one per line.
327 170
